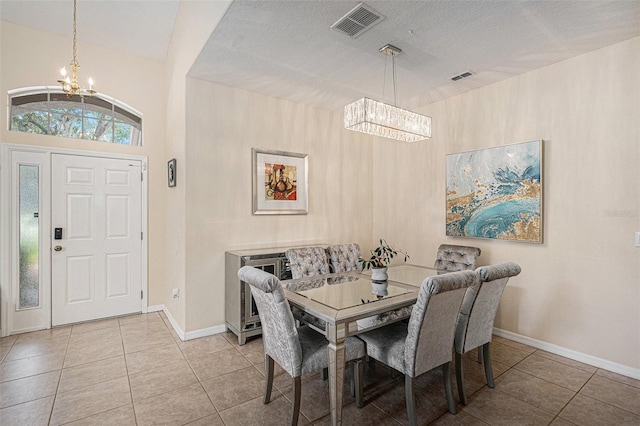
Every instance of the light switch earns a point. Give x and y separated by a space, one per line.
637 239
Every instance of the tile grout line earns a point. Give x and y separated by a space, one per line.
126 367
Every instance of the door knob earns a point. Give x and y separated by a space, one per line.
57 248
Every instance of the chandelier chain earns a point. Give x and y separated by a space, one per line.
75 48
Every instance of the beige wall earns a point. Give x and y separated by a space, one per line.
580 289
34 58
194 24
223 124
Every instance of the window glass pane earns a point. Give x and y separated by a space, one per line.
29 283
97 129
66 125
28 121
125 134
91 118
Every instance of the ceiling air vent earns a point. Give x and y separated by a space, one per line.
461 76
357 21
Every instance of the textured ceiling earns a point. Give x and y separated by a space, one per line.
286 49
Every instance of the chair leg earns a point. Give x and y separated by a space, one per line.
411 400
480 361
460 379
268 380
488 371
324 374
358 376
295 413
447 387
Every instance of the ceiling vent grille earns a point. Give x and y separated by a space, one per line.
461 76
359 19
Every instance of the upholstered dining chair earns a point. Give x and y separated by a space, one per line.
456 258
297 351
308 261
427 341
344 257
474 326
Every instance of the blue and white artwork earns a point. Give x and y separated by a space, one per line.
496 193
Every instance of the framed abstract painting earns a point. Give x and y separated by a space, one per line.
496 193
280 182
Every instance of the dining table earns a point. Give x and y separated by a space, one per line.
346 304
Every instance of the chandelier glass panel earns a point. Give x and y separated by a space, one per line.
381 119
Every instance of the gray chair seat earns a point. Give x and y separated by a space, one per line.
315 355
297 351
426 342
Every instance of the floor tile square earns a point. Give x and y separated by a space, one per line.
254 412
90 400
583 410
91 373
613 393
204 346
218 363
121 416
32 413
554 372
91 353
161 380
234 388
149 359
498 408
28 388
25 367
180 406
534 391
84 327
619 378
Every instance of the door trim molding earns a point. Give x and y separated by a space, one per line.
5 216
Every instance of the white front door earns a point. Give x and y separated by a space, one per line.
96 258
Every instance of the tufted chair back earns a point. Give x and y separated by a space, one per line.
456 258
433 319
480 305
279 333
344 257
475 321
308 261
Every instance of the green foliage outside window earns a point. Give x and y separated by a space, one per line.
79 118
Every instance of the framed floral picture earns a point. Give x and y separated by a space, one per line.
496 193
280 182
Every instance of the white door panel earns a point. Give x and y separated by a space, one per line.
98 271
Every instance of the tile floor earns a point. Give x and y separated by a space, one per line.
135 371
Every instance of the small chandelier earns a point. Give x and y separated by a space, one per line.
380 119
70 86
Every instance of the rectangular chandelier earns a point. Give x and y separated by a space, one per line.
380 119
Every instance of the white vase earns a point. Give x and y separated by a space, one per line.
379 288
379 274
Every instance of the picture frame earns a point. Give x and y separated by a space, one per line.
171 172
496 193
280 182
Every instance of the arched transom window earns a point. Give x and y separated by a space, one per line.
48 111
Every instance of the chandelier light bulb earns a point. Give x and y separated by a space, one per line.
63 72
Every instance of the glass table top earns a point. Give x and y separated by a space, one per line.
342 291
412 275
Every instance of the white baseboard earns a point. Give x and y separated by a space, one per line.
209 331
155 308
571 354
203 332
